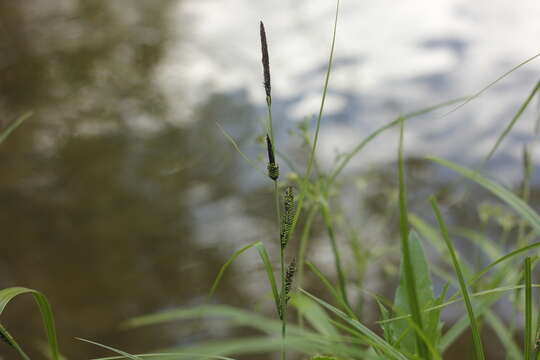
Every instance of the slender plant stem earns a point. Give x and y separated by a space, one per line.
528 309
311 160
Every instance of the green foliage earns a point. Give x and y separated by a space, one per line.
403 337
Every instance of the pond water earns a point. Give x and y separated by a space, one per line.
122 197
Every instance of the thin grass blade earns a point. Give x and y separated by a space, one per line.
527 341
227 264
477 341
408 270
507 196
123 353
14 125
369 336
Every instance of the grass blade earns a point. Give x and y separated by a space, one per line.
502 259
269 272
123 353
343 163
477 341
512 122
10 340
14 125
370 337
507 196
410 280
6 295
528 309
226 265
311 159
337 295
250 162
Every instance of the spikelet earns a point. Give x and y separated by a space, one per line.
266 65
273 168
289 275
287 218
284 298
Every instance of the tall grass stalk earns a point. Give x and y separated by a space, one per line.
311 159
527 339
407 264
477 341
525 191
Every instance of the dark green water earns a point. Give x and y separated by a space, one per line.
97 213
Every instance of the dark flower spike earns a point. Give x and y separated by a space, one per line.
284 299
266 65
273 168
289 278
288 216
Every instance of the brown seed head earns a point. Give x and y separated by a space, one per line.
265 62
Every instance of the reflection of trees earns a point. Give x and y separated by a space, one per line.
93 187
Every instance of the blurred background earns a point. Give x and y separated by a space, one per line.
122 197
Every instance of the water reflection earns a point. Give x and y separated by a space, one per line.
121 197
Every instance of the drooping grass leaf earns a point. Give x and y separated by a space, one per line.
507 196
226 265
512 122
250 162
502 259
8 294
337 294
477 341
369 336
350 155
233 315
123 353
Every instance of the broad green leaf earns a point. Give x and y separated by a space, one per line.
424 290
